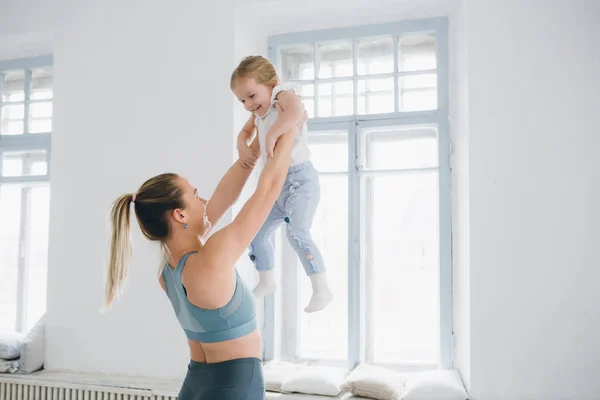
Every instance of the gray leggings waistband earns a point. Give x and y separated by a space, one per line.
238 379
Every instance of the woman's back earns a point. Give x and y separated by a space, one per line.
214 307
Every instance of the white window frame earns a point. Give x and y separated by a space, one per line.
358 331
23 143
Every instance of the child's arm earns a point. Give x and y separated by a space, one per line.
247 151
247 133
290 113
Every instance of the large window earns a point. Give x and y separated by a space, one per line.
25 131
378 101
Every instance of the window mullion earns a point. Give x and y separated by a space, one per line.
366 211
316 69
333 91
368 266
269 328
445 201
48 158
26 106
354 75
395 40
356 328
22 274
290 302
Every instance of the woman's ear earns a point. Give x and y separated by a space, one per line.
179 215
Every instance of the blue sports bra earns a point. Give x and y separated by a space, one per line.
237 318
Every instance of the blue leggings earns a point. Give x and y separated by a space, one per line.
239 379
296 207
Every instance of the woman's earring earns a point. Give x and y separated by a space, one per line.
184 226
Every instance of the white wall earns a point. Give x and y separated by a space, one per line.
32 16
15 46
141 88
284 16
27 27
534 193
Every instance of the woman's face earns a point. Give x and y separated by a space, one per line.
194 213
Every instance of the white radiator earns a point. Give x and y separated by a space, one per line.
32 390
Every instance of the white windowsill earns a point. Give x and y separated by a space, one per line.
298 396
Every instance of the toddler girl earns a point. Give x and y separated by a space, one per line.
275 110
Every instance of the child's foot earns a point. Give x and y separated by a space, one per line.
321 296
319 301
266 284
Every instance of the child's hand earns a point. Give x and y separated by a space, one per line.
248 157
270 141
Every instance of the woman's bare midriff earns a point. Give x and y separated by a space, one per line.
243 347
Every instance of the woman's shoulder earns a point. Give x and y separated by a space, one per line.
212 258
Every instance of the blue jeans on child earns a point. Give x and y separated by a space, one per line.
296 206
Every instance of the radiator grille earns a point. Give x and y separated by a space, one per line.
29 390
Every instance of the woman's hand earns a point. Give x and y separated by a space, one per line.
247 156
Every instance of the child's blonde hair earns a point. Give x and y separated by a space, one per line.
257 67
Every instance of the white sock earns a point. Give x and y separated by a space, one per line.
266 284
321 294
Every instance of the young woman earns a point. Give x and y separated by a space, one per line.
212 303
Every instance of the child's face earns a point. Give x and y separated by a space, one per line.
255 97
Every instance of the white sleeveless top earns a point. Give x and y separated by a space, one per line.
300 151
